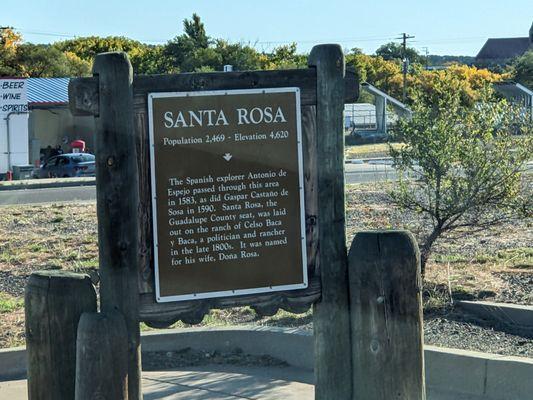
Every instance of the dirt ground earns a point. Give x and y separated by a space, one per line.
495 264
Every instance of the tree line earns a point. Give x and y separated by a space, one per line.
195 51
466 146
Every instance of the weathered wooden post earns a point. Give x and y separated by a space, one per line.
307 198
117 202
54 302
386 317
102 357
331 316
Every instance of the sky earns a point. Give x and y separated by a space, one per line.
454 27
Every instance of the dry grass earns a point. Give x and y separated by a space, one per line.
369 150
35 238
464 266
65 236
52 236
12 331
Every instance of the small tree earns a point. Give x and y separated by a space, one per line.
464 164
523 69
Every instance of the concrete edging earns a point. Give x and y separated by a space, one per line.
450 373
12 363
510 314
47 183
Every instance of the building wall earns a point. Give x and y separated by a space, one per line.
55 125
13 150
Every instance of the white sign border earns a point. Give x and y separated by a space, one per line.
237 292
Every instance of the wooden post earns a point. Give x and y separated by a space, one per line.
117 201
331 313
386 317
54 302
102 357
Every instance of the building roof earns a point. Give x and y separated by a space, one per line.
48 91
503 48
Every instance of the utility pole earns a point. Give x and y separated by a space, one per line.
405 65
426 52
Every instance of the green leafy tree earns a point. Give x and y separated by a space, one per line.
385 75
151 60
284 57
76 66
466 164
145 59
190 50
436 60
195 31
88 47
242 57
9 42
44 61
523 69
32 60
195 51
469 83
394 51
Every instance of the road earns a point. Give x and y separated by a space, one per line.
363 173
355 173
51 195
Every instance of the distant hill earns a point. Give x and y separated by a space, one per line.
435 60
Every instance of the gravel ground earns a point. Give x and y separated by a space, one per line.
12 284
519 289
462 331
443 331
475 266
453 330
456 329
444 326
155 361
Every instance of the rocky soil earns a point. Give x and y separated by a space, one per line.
495 264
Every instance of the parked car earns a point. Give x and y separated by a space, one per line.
68 165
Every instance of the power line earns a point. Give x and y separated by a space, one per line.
452 40
267 43
45 33
72 36
341 40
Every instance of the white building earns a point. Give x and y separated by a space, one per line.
34 114
13 123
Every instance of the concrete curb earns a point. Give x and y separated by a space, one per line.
293 346
450 373
510 314
47 183
478 376
12 363
354 161
372 160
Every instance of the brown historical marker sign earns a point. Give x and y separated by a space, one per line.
227 187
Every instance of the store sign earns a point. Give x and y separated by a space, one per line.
13 96
227 187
